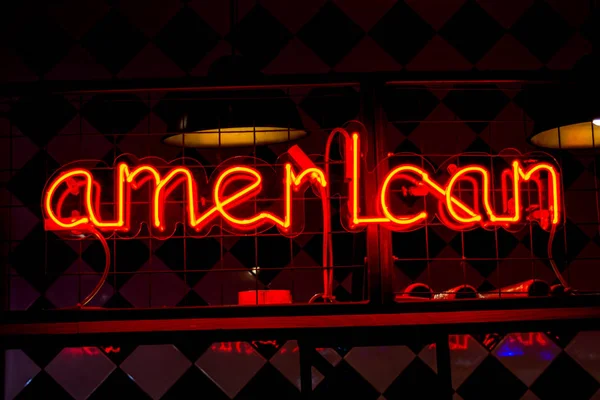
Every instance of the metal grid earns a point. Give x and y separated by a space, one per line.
131 126
473 124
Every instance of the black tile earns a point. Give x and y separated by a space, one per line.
40 43
331 34
408 106
117 301
267 348
340 293
191 253
114 114
332 107
345 383
191 347
564 379
506 243
542 30
565 245
486 286
264 153
192 384
41 117
491 380
114 41
244 251
472 31
562 337
119 382
402 32
570 168
314 248
478 146
259 36
412 268
186 39
118 352
41 257
342 242
268 383
417 380
41 304
128 256
192 299
27 183
482 105
407 146
419 243
478 244
42 355
274 253
43 386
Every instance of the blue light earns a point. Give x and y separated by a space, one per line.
510 351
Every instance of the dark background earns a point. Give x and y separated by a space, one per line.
53 46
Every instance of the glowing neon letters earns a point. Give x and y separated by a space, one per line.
236 187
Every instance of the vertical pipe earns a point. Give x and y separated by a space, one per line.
379 239
444 368
305 369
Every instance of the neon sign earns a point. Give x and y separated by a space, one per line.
231 196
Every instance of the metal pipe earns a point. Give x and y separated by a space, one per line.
415 291
458 292
529 288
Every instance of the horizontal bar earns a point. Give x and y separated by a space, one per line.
300 322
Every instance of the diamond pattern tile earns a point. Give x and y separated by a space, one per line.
20 371
344 382
542 30
241 367
394 29
192 384
155 368
380 365
80 370
493 379
526 355
331 34
43 385
259 36
564 377
476 40
114 114
415 381
585 349
41 52
126 385
113 41
476 106
174 38
287 361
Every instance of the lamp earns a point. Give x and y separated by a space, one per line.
565 118
581 135
230 118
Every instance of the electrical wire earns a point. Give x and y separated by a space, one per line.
557 272
100 283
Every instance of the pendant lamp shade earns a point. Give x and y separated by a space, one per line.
567 118
230 118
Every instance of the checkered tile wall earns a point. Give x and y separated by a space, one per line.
128 40
137 39
518 366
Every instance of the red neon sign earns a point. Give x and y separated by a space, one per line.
230 196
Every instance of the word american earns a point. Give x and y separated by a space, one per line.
248 183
